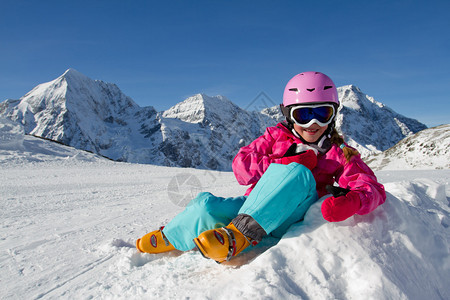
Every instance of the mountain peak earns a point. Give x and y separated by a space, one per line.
72 75
70 72
366 121
352 97
351 87
198 107
351 92
206 99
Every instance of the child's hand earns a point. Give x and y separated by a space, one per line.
307 158
336 209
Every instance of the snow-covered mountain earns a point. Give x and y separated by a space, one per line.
200 132
86 114
207 132
427 149
370 126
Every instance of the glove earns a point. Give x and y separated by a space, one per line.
336 209
307 158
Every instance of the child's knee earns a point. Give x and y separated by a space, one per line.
206 201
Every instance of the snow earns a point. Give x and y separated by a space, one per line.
11 134
427 149
70 219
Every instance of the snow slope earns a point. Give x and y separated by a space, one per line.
427 149
70 219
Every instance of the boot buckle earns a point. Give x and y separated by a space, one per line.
232 243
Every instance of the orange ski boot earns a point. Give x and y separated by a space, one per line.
154 242
221 244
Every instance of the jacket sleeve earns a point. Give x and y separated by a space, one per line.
253 160
357 176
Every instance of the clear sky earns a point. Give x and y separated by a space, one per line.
160 52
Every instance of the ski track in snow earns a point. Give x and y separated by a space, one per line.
70 220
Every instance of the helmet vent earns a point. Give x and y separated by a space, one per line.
294 90
310 90
327 87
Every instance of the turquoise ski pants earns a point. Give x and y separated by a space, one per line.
280 198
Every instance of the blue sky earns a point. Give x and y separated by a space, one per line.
160 52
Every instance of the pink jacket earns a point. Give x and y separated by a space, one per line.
253 160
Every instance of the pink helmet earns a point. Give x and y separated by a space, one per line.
310 88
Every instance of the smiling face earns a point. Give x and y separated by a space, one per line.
312 133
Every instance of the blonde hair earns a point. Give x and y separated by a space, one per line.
339 141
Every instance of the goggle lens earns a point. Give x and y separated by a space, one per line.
303 115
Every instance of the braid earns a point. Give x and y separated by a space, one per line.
339 141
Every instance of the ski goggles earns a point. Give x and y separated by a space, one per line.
306 115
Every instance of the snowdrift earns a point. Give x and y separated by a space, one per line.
70 219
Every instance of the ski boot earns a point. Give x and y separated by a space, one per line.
221 244
154 242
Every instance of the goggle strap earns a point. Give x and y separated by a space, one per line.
286 111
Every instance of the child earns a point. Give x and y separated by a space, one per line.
288 168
